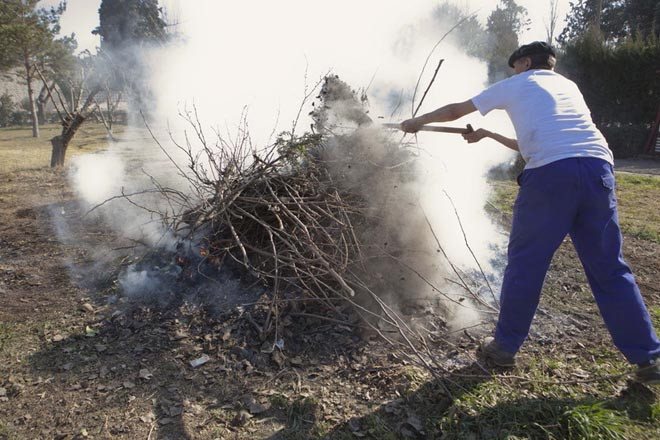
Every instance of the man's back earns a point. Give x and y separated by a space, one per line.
549 114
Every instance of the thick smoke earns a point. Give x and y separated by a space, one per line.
258 60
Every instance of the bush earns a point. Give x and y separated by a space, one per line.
619 82
7 107
626 140
19 117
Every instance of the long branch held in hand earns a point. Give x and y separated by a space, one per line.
435 128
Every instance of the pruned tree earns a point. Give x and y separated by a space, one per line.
28 44
83 87
553 20
111 81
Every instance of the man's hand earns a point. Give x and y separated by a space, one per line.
411 125
475 136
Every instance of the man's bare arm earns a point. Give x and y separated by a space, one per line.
447 113
481 133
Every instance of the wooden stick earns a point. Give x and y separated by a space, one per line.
435 128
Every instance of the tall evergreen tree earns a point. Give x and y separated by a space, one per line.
129 22
613 19
127 28
503 27
469 33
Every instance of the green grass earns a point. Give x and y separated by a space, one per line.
5 432
503 196
655 316
7 334
638 197
655 412
593 422
301 418
639 205
20 151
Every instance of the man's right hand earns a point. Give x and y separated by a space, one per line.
411 125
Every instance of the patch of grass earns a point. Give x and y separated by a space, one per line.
638 197
629 180
301 412
503 195
7 334
593 422
374 427
639 205
302 418
655 412
655 316
414 377
20 151
5 432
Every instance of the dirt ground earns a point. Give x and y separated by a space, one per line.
75 365
646 165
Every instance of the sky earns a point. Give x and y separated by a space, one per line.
81 16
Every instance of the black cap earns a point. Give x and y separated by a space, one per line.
535 48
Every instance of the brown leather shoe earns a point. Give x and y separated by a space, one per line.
648 372
493 353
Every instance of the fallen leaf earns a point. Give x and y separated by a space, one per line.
199 361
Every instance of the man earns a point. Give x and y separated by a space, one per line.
567 187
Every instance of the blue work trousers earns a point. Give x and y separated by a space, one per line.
572 196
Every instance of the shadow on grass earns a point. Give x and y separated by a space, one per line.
137 373
473 413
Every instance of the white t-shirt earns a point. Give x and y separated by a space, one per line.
548 112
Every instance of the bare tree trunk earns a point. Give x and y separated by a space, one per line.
599 13
42 100
33 107
61 142
59 151
551 27
70 126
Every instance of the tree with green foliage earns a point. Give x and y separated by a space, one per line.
611 49
468 33
126 28
614 19
7 108
125 23
620 83
503 26
28 43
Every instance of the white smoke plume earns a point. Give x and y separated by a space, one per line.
256 58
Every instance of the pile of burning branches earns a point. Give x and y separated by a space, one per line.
329 218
